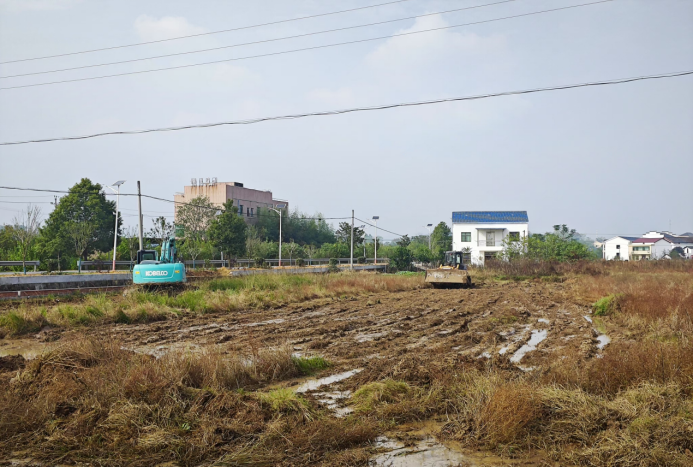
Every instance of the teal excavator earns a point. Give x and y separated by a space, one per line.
159 271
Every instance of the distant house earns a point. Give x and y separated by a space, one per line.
651 248
688 252
618 248
481 233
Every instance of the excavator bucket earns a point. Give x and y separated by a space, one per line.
448 278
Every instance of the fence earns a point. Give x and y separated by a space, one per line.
14 264
216 263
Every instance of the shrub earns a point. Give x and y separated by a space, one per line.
606 305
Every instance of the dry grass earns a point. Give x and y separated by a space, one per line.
92 401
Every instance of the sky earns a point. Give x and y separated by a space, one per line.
605 160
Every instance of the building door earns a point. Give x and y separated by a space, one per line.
490 238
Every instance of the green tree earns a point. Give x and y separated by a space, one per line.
26 229
161 230
343 234
401 257
85 203
441 241
194 219
227 231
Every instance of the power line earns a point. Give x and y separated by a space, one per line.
301 49
205 33
160 199
253 43
359 109
379 228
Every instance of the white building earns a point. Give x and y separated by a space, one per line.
618 248
651 248
481 233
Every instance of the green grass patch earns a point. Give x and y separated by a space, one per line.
370 395
16 323
309 365
283 400
606 305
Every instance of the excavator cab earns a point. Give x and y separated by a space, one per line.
151 269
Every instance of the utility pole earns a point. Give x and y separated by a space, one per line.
375 244
139 207
351 259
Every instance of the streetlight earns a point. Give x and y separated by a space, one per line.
115 235
279 210
429 235
375 244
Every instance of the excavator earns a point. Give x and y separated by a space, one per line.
159 271
451 274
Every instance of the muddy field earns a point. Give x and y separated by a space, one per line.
426 377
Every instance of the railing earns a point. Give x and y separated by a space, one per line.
489 242
35 264
249 263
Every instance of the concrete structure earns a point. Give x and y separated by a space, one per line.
248 201
481 233
619 248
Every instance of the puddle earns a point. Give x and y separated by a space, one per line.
333 400
537 337
314 384
427 452
161 350
604 340
27 348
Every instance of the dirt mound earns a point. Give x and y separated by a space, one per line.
11 363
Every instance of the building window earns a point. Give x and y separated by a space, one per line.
252 212
514 236
247 212
618 247
466 236
240 209
641 248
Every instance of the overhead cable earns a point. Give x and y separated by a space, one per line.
358 41
252 43
205 33
359 109
379 228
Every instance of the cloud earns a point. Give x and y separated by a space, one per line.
418 52
151 29
337 98
37 5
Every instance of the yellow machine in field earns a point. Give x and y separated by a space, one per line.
451 274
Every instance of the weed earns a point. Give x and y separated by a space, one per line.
606 305
309 365
284 401
370 395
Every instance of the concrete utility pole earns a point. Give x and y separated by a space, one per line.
375 244
278 210
115 235
139 206
351 259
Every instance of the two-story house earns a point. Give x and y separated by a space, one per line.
481 233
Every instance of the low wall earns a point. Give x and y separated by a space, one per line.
72 281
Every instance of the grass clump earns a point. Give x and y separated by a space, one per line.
284 401
18 322
309 365
371 395
606 305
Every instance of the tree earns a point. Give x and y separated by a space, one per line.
80 233
441 241
132 242
252 241
310 251
85 203
161 230
26 229
343 234
227 231
195 218
401 256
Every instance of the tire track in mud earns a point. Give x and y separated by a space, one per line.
497 318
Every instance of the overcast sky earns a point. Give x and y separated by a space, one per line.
605 160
